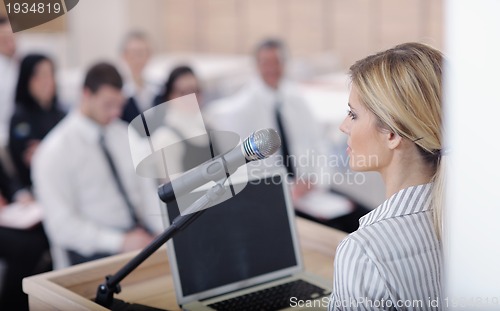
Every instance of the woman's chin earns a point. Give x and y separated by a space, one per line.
358 168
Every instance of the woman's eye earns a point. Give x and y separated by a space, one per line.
351 114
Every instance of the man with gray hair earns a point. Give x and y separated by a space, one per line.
140 93
270 100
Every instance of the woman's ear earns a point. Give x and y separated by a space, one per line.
393 140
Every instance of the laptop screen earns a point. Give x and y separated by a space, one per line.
247 236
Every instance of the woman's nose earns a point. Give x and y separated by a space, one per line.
344 126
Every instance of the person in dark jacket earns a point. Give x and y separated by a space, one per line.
36 112
25 252
8 187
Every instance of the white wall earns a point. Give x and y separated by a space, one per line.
472 246
95 30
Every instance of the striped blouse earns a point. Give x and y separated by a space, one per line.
393 261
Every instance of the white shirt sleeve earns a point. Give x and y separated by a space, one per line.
65 226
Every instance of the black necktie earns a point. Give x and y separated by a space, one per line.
118 181
287 160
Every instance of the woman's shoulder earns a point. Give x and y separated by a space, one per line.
58 111
20 112
398 237
25 112
359 239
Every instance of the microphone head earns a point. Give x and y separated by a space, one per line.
261 144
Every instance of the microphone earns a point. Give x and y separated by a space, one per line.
259 145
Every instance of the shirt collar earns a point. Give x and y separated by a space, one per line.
262 87
90 130
410 200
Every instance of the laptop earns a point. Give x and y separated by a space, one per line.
243 254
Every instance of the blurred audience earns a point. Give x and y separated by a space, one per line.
94 203
270 100
36 112
25 252
136 52
9 70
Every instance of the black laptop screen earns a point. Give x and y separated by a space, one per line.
246 236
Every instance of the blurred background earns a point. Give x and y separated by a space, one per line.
322 36
335 31
217 38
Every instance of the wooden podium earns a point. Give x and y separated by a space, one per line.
151 284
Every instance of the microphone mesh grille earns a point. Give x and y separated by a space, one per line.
261 144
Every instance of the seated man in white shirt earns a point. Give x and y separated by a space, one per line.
94 203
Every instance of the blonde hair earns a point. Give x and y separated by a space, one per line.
402 87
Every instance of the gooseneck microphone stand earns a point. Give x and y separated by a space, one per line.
106 290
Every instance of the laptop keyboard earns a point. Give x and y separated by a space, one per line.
273 298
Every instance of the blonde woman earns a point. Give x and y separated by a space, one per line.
393 261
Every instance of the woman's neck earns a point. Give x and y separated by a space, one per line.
406 173
45 105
